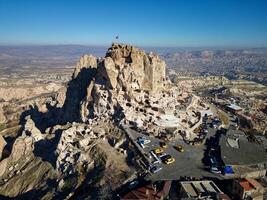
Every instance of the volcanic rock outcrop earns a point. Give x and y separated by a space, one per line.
127 84
78 132
2 145
31 130
124 72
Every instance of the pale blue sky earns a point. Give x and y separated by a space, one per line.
139 22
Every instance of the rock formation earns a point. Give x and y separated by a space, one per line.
22 148
127 84
2 145
123 72
2 116
130 84
78 131
31 130
133 68
86 61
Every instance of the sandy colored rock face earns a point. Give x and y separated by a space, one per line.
2 145
3 166
123 71
138 70
112 72
30 129
2 116
22 147
85 61
130 84
147 70
107 72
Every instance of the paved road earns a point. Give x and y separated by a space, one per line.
188 163
133 135
48 94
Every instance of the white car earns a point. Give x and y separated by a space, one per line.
157 159
133 184
161 154
215 170
141 144
143 140
155 169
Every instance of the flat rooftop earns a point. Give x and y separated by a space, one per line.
208 112
196 188
167 120
249 184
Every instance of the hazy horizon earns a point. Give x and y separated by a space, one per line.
218 47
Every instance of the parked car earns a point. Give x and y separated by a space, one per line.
163 145
160 155
216 119
143 140
158 150
141 144
213 161
133 184
155 169
156 162
179 148
168 159
156 157
215 170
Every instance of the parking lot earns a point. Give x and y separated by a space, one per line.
187 163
